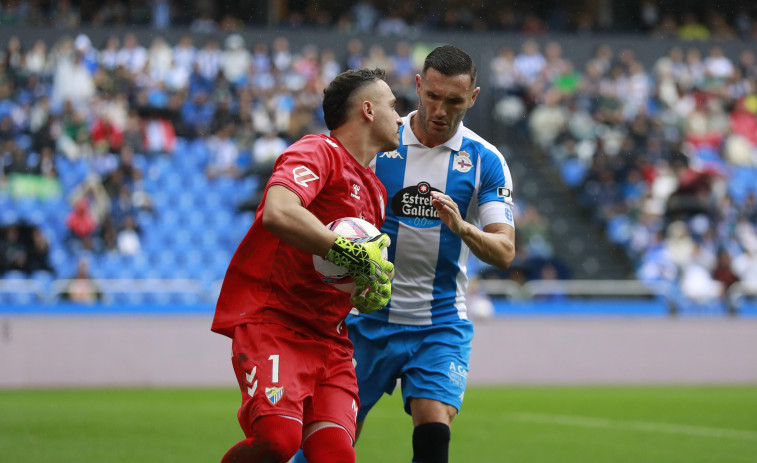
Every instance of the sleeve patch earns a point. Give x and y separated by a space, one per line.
503 192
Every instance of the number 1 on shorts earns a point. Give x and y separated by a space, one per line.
274 368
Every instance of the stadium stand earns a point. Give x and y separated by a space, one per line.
633 153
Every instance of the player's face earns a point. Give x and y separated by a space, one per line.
442 104
387 121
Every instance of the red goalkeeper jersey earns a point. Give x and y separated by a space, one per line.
271 281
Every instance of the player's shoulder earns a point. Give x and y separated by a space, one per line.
317 141
472 140
317 146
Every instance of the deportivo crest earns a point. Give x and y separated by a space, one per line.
391 155
462 162
303 175
274 394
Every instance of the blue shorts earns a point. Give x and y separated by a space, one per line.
430 360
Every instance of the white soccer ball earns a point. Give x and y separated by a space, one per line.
336 275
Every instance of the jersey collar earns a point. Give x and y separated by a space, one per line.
409 138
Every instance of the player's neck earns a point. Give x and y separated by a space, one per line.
356 145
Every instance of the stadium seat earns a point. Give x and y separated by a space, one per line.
43 277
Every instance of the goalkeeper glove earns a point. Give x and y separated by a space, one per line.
369 301
363 261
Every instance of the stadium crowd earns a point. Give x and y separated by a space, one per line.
685 19
664 157
116 109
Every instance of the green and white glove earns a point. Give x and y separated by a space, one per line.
368 269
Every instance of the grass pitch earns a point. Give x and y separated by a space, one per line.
512 424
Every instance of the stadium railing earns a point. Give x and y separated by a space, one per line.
111 290
25 290
741 296
558 296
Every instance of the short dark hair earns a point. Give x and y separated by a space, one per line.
450 61
341 89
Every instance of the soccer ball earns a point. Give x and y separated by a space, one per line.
336 275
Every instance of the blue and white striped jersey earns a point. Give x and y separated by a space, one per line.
430 276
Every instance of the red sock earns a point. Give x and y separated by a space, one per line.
275 439
331 444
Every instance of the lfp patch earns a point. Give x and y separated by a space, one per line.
274 394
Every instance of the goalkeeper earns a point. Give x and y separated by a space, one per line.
290 351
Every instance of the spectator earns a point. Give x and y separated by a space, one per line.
267 149
159 60
65 15
81 224
75 141
73 81
692 29
723 271
105 135
208 61
82 288
36 59
14 253
132 56
224 153
159 134
502 71
185 53
235 59
39 252
109 55
128 237
282 55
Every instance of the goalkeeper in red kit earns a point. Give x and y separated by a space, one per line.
290 350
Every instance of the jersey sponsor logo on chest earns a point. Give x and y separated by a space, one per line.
355 191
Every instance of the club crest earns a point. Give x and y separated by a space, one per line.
274 394
462 162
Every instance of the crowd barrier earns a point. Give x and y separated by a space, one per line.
545 296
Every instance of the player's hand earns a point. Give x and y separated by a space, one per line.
363 260
369 301
448 211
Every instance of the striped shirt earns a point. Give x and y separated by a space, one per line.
430 279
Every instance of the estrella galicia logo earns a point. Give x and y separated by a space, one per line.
412 206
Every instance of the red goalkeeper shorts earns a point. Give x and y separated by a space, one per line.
284 372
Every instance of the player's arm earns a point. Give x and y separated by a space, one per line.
286 217
495 244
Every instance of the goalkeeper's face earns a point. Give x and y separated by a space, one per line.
386 120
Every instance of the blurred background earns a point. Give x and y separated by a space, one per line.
136 137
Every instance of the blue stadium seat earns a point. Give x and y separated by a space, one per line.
8 216
19 298
14 275
160 201
43 277
111 266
